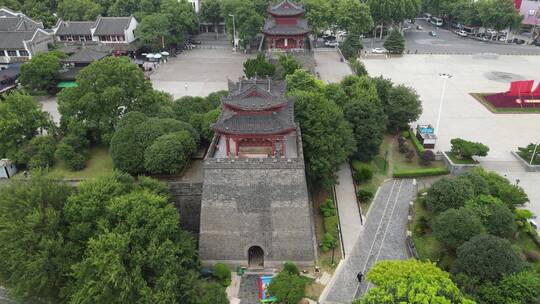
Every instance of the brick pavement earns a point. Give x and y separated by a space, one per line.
349 213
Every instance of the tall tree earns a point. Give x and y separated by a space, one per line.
182 18
41 72
20 120
411 281
318 14
34 255
402 107
79 10
354 16
153 33
211 12
498 14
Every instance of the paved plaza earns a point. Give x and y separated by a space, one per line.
203 71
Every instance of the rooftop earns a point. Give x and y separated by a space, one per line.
256 94
286 8
87 54
14 40
111 25
272 28
74 28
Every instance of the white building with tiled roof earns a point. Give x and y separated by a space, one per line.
104 29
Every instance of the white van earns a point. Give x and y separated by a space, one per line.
436 21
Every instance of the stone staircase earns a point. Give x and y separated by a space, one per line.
211 41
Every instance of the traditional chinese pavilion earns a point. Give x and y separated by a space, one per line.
256 119
286 29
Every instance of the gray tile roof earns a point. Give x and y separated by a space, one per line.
8 23
271 28
75 28
111 25
18 23
273 123
87 54
256 94
286 8
14 40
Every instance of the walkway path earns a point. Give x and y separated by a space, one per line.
349 213
382 238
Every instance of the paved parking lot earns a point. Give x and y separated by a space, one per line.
449 43
203 71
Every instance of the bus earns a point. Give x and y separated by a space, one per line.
436 21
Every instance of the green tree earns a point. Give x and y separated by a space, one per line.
249 23
363 110
107 89
512 195
170 153
78 10
411 281
41 72
351 47
20 120
213 293
402 107
182 19
454 227
318 14
34 256
326 136
288 288
222 273
211 12
449 193
259 67
289 64
153 32
123 8
467 149
354 16
498 14
37 153
39 10
358 67
522 287
501 222
487 258
302 81
395 42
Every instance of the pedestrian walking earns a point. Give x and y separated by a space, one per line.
185 86
360 276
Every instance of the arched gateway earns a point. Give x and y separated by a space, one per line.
255 257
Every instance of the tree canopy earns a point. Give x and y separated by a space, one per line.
487 258
449 193
20 120
445 227
79 10
411 281
113 240
354 16
40 73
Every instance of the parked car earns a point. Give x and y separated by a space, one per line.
342 33
329 37
502 39
462 33
378 51
433 33
331 43
418 27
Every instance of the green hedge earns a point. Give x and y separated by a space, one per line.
331 224
421 172
417 145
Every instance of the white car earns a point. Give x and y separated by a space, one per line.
341 33
331 43
462 33
378 51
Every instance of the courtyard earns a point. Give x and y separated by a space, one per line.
199 72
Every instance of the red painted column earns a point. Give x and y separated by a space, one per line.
236 144
283 146
228 145
273 146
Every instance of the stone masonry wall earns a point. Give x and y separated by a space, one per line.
187 198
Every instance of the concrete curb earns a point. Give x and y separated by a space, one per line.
526 165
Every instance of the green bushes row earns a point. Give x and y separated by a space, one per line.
420 172
417 145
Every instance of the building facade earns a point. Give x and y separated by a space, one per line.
530 10
286 28
21 37
109 30
255 209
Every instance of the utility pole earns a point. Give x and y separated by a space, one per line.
234 31
533 154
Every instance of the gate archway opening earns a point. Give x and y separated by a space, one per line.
255 257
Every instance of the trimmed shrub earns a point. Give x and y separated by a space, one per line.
259 67
331 225
364 175
329 241
291 268
67 151
328 208
464 149
427 157
38 153
287 288
417 145
420 172
364 195
358 67
169 153
405 134
223 273
456 226
449 193
289 64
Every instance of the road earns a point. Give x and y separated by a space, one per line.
382 238
347 205
419 41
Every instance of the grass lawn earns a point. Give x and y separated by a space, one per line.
100 163
461 161
480 97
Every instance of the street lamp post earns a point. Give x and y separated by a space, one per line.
234 31
533 154
445 77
